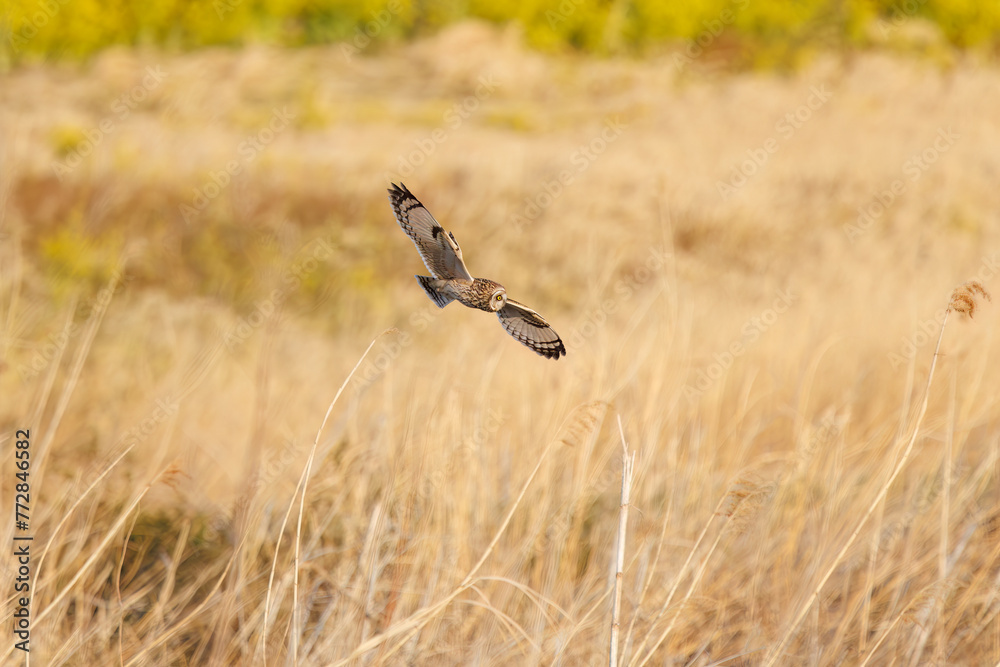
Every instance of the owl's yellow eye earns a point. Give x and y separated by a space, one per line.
498 297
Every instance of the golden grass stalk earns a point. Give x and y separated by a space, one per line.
879 516
963 300
946 483
628 465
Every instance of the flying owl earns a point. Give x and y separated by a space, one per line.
452 281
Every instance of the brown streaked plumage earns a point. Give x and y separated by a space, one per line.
450 280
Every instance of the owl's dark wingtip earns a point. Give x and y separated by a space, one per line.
397 193
553 352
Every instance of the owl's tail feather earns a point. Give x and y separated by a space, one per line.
430 286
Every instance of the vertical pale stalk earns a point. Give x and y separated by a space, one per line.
628 465
946 485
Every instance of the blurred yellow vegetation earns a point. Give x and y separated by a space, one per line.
521 119
774 31
66 139
74 259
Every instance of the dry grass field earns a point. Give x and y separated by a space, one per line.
749 270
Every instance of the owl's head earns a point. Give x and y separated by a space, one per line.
498 299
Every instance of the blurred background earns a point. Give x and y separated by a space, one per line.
744 218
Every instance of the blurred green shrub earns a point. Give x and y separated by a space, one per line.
64 28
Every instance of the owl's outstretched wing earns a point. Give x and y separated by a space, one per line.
438 248
531 329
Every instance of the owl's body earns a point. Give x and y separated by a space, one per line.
451 280
474 293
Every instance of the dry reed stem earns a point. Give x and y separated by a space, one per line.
598 603
880 516
962 300
366 566
303 484
170 576
118 593
946 481
628 465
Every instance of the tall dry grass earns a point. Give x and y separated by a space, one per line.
461 503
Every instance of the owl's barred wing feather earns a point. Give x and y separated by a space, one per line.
438 248
531 329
